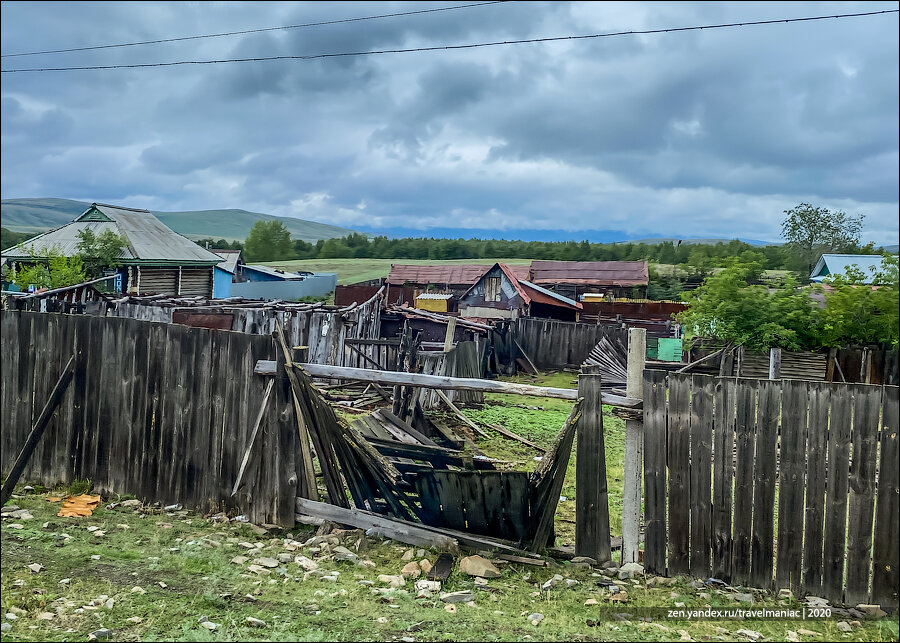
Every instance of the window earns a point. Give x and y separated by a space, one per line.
492 289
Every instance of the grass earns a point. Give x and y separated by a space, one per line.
351 271
143 547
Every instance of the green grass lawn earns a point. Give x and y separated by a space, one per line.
350 271
164 571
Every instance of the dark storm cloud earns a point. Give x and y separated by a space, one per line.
695 133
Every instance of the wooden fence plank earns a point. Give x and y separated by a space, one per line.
723 475
762 543
701 467
861 513
655 541
816 450
886 550
679 463
591 499
795 402
745 438
836 498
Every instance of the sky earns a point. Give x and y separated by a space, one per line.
700 133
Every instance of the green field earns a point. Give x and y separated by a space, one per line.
350 271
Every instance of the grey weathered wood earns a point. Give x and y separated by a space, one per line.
698 362
634 448
701 471
861 510
762 543
679 465
591 498
515 436
791 482
37 431
745 427
774 363
836 498
723 477
459 414
816 450
655 542
256 426
264 367
886 548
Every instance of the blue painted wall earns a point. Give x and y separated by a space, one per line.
221 283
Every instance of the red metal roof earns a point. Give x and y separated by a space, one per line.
598 273
450 273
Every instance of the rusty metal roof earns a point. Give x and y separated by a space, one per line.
149 240
599 273
450 273
530 292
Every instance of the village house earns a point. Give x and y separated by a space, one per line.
156 259
836 264
500 294
574 279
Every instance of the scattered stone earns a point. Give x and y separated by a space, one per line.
209 625
65 581
465 596
425 565
571 582
535 618
393 581
131 503
46 616
740 597
844 626
660 581
478 566
584 559
307 564
481 582
750 634
447 608
872 610
382 620
102 634
816 601
285 558
239 560
408 555
10 616
428 585
553 582
411 570
109 603
16 525
162 584
258 569
785 593
36 568
134 620
271 563
805 632
792 636
255 622
95 557
592 601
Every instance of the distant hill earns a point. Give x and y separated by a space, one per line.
36 215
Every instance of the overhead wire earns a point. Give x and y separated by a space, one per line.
452 47
252 31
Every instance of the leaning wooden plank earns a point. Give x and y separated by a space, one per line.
256 426
388 416
522 560
515 436
326 371
422 452
37 431
459 414
401 530
534 369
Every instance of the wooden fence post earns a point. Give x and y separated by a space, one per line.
634 449
591 498
774 363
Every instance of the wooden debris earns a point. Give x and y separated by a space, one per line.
442 568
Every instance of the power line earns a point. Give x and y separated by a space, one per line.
250 31
453 47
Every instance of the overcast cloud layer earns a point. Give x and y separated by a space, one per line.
691 134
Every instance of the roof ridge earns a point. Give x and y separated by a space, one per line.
119 207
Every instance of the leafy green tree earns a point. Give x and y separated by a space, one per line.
58 271
812 231
727 307
857 313
268 241
99 251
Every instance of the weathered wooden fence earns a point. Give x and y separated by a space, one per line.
784 484
555 344
161 411
379 354
466 359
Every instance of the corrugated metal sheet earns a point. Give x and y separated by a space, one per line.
834 264
459 274
598 273
231 258
436 295
149 240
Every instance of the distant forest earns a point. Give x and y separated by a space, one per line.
698 257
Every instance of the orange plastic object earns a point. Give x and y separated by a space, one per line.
79 506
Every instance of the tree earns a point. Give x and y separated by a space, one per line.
58 272
99 251
856 313
812 231
268 241
728 308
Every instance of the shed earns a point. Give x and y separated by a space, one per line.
500 294
574 278
836 264
439 302
156 259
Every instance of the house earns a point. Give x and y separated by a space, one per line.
264 282
836 264
575 278
500 294
156 260
406 282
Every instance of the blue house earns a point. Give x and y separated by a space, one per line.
835 264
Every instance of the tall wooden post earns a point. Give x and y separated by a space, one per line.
634 449
591 498
774 363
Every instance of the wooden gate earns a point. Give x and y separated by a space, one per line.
773 483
